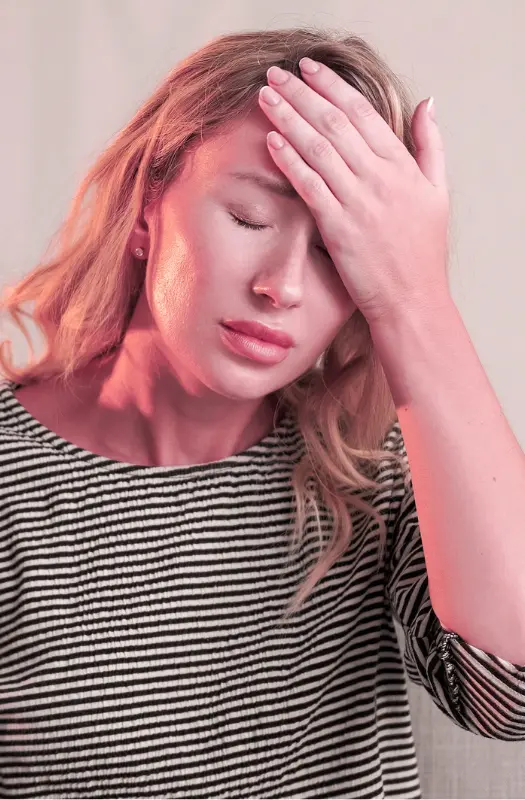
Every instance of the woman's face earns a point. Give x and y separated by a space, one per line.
205 268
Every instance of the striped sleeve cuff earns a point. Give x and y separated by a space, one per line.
487 691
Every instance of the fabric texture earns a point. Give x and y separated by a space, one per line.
142 651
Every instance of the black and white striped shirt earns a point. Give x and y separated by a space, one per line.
141 648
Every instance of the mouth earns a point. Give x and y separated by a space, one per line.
261 332
251 347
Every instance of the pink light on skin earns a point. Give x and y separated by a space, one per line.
180 390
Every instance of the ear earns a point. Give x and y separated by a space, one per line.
140 237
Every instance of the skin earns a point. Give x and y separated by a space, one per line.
173 394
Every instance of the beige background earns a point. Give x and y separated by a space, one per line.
73 71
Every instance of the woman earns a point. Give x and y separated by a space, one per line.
209 477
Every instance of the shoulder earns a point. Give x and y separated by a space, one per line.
397 474
21 410
393 440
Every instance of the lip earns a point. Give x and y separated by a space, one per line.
251 347
260 331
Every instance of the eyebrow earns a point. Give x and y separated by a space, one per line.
281 187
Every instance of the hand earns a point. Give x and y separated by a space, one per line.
382 214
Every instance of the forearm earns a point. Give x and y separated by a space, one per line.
468 474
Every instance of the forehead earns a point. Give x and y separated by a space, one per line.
240 155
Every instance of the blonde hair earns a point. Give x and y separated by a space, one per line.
343 404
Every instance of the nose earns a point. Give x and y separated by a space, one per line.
283 282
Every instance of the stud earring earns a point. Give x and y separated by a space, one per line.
139 252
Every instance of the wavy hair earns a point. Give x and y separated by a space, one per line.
343 404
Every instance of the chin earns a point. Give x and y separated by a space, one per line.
251 383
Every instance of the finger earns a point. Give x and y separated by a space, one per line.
374 130
314 148
328 120
430 151
306 181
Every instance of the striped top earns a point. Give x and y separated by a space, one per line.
142 652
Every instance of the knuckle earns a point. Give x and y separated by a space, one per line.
363 108
321 148
312 187
300 90
382 189
287 115
334 120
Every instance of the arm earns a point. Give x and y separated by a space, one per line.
468 474
480 692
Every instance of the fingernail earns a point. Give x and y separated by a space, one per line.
431 109
308 65
277 75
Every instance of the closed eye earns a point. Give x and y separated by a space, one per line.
245 224
255 227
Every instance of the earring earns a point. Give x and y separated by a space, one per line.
139 252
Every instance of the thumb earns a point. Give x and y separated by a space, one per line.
430 153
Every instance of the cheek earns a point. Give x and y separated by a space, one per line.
331 306
187 300
173 288
176 261
172 296
341 302
346 306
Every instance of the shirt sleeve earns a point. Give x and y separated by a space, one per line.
479 691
